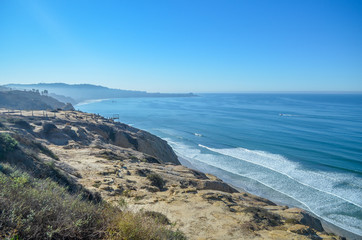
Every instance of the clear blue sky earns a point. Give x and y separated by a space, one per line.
184 45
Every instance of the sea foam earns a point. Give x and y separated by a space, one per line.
322 181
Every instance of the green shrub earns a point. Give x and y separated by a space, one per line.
159 217
7 144
23 124
263 216
156 180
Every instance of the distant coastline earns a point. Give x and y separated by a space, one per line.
79 93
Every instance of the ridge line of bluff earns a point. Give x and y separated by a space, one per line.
109 132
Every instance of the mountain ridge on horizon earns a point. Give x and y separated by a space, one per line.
76 93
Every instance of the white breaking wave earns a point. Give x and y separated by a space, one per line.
198 134
314 189
291 169
288 115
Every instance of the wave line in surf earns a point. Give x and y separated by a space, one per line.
286 162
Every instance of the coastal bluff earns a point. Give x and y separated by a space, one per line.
120 163
30 100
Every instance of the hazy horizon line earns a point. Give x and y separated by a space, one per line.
293 91
210 92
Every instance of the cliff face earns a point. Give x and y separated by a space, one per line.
147 143
125 164
124 136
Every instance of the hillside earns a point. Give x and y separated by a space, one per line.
29 100
76 93
139 173
43 197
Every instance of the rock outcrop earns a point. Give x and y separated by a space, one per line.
125 136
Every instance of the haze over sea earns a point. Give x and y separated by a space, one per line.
304 150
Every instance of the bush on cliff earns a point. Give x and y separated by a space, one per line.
22 124
159 217
156 180
261 219
7 144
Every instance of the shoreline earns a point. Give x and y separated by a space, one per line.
327 226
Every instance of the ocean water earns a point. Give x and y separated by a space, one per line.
304 150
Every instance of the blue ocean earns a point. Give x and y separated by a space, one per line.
303 150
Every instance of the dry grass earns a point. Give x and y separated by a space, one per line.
41 209
138 227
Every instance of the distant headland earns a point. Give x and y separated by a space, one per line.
76 93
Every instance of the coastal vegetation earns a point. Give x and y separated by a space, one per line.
38 200
156 180
42 209
7 144
261 219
